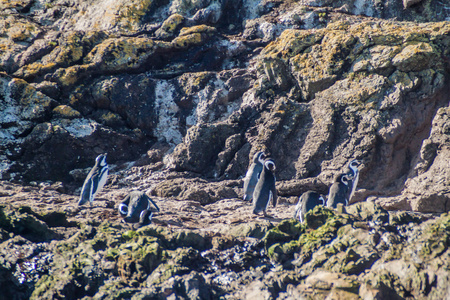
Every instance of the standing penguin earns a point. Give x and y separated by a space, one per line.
265 188
253 172
307 202
338 191
353 173
137 208
94 181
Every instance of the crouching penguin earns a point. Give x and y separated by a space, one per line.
137 207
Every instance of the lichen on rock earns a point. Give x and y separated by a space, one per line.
181 94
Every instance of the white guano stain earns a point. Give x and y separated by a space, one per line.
167 128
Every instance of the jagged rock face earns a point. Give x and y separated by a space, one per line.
422 10
181 94
377 105
209 86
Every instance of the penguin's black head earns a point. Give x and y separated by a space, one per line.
322 200
101 159
259 156
123 210
340 178
269 164
354 163
345 178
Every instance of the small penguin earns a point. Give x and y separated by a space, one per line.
307 202
94 181
338 191
137 208
353 173
252 176
265 188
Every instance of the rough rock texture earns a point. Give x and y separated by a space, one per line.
181 94
52 249
201 89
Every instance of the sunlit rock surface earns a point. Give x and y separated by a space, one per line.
181 94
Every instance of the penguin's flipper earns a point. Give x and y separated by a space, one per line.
126 201
82 201
151 202
102 177
85 195
94 179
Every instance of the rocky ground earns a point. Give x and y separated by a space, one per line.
181 94
51 249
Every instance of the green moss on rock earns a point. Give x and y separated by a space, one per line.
368 211
256 230
285 231
65 111
169 26
437 237
22 221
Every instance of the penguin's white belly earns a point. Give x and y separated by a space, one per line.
101 183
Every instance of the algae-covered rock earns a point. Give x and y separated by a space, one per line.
138 257
176 239
192 89
286 230
65 111
19 30
369 211
169 26
178 262
253 229
23 222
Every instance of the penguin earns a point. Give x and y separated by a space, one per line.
94 181
137 208
338 191
265 188
307 202
353 172
253 172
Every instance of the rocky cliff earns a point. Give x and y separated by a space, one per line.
181 94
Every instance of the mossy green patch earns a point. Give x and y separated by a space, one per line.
19 30
256 230
438 237
22 221
329 224
318 216
175 239
286 230
189 40
65 111
170 25
197 29
369 211
128 235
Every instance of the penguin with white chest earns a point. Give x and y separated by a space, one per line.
94 181
265 190
137 207
353 174
339 191
252 175
307 201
